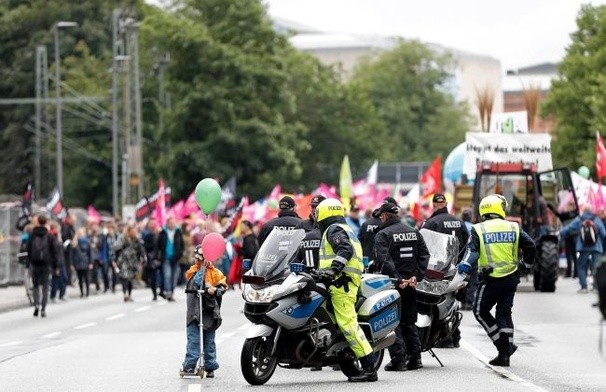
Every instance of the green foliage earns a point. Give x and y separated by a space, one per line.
576 98
407 85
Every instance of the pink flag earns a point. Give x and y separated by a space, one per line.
600 203
160 211
190 206
328 191
93 214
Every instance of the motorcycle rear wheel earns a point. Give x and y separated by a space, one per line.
352 368
256 361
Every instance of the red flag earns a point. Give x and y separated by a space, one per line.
600 157
431 179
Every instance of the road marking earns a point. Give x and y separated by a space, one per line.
87 325
194 388
245 326
498 369
115 317
228 334
51 335
16 342
142 308
162 303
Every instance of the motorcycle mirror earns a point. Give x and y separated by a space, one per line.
457 282
246 264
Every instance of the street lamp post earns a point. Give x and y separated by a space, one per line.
59 130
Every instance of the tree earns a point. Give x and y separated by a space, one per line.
407 86
339 118
576 99
230 99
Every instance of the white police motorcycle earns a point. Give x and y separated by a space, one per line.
437 308
293 324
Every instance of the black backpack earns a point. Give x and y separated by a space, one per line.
589 233
41 252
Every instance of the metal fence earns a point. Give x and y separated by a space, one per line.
11 272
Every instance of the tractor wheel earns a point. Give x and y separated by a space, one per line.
549 266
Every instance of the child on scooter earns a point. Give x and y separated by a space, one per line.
203 274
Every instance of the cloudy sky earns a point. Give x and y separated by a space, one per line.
516 32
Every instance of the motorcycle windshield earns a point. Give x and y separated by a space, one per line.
443 249
277 251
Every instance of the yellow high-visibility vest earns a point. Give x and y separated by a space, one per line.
354 266
499 241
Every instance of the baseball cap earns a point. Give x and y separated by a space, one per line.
317 200
439 198
390 199
287 203
388 207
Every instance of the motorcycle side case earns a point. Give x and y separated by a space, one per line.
373 284
380 314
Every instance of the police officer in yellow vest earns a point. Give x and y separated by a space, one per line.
494 245
341 264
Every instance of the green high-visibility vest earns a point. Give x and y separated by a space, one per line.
499 241
354 266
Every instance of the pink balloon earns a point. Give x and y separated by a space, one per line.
213 247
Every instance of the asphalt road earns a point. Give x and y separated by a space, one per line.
104 344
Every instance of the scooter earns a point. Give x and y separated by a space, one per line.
199 369
438 309
293 322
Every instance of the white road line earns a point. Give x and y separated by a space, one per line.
143 309
87 325
16 342
245 326
51 335
194 388
228 334
115 317
498 369
219 341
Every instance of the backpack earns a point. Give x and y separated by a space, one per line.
589 233
41 253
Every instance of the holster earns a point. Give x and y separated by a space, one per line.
342 281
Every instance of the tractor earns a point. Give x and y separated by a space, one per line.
539 202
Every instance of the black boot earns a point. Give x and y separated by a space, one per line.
414 363
369 374
395 366
500 360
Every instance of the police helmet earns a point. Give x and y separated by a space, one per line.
493 205
329 208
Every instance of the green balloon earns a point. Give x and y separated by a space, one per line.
583 172
208 195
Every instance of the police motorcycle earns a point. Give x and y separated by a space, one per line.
293 323
438 310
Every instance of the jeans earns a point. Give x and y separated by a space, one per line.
587 260
154 276
192 350
59 283
169 269
104 269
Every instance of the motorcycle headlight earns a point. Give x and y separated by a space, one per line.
263 295
432 287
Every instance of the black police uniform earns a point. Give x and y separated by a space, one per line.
366 236
401 252
286 219
306 224
443 222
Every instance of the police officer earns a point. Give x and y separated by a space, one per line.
369 229
341 264
494 245
287 219
309 252
443 222
401 253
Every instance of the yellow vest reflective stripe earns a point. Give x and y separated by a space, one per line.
354 266
499 241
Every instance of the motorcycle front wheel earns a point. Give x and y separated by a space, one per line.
256 361
352 367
